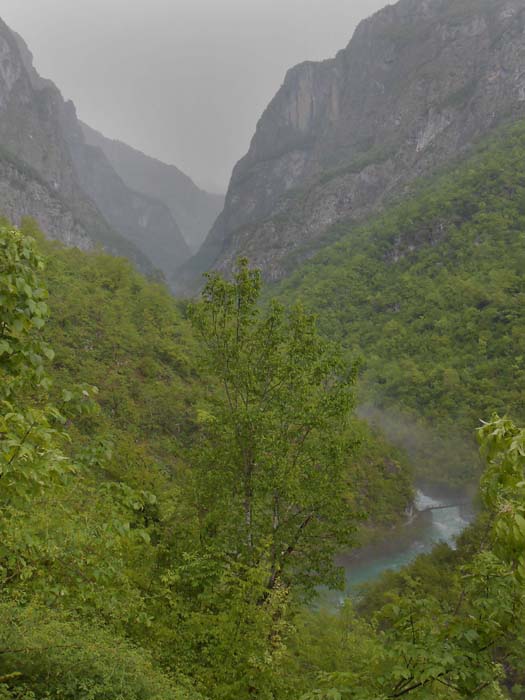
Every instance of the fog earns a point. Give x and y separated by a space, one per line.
183 80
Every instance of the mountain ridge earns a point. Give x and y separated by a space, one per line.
194 209
78 197
37 174
417 83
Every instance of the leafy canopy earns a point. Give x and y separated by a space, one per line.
270 477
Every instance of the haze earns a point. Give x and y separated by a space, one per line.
182 80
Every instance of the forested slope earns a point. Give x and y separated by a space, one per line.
145 563
432 295
112 328
123 565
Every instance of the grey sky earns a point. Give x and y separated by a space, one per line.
182 80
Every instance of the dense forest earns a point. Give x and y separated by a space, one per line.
431 296
175 482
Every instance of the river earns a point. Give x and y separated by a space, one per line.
422 531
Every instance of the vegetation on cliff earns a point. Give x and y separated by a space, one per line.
431 295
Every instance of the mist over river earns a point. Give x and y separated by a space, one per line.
429 524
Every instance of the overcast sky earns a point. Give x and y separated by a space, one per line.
182 80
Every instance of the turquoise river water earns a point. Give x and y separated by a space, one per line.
431 523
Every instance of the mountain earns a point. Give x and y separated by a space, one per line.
194 209
37 175
431 295
47 171
418 83
145 221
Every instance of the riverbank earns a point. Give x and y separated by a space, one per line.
439 515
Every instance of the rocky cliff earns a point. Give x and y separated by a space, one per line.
145 221
47 171
194 209
418 83
37 176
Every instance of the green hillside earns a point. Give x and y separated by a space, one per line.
112 328
432 295
164 532
116 536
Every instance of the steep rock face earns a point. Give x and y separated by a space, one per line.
194 209
144 221
419 82
23 193
38 177
48 172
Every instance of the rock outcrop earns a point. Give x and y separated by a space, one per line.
418 83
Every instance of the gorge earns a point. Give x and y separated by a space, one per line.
212 409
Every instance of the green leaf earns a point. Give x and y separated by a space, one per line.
520 522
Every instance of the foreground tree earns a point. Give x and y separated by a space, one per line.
68 541
270 484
